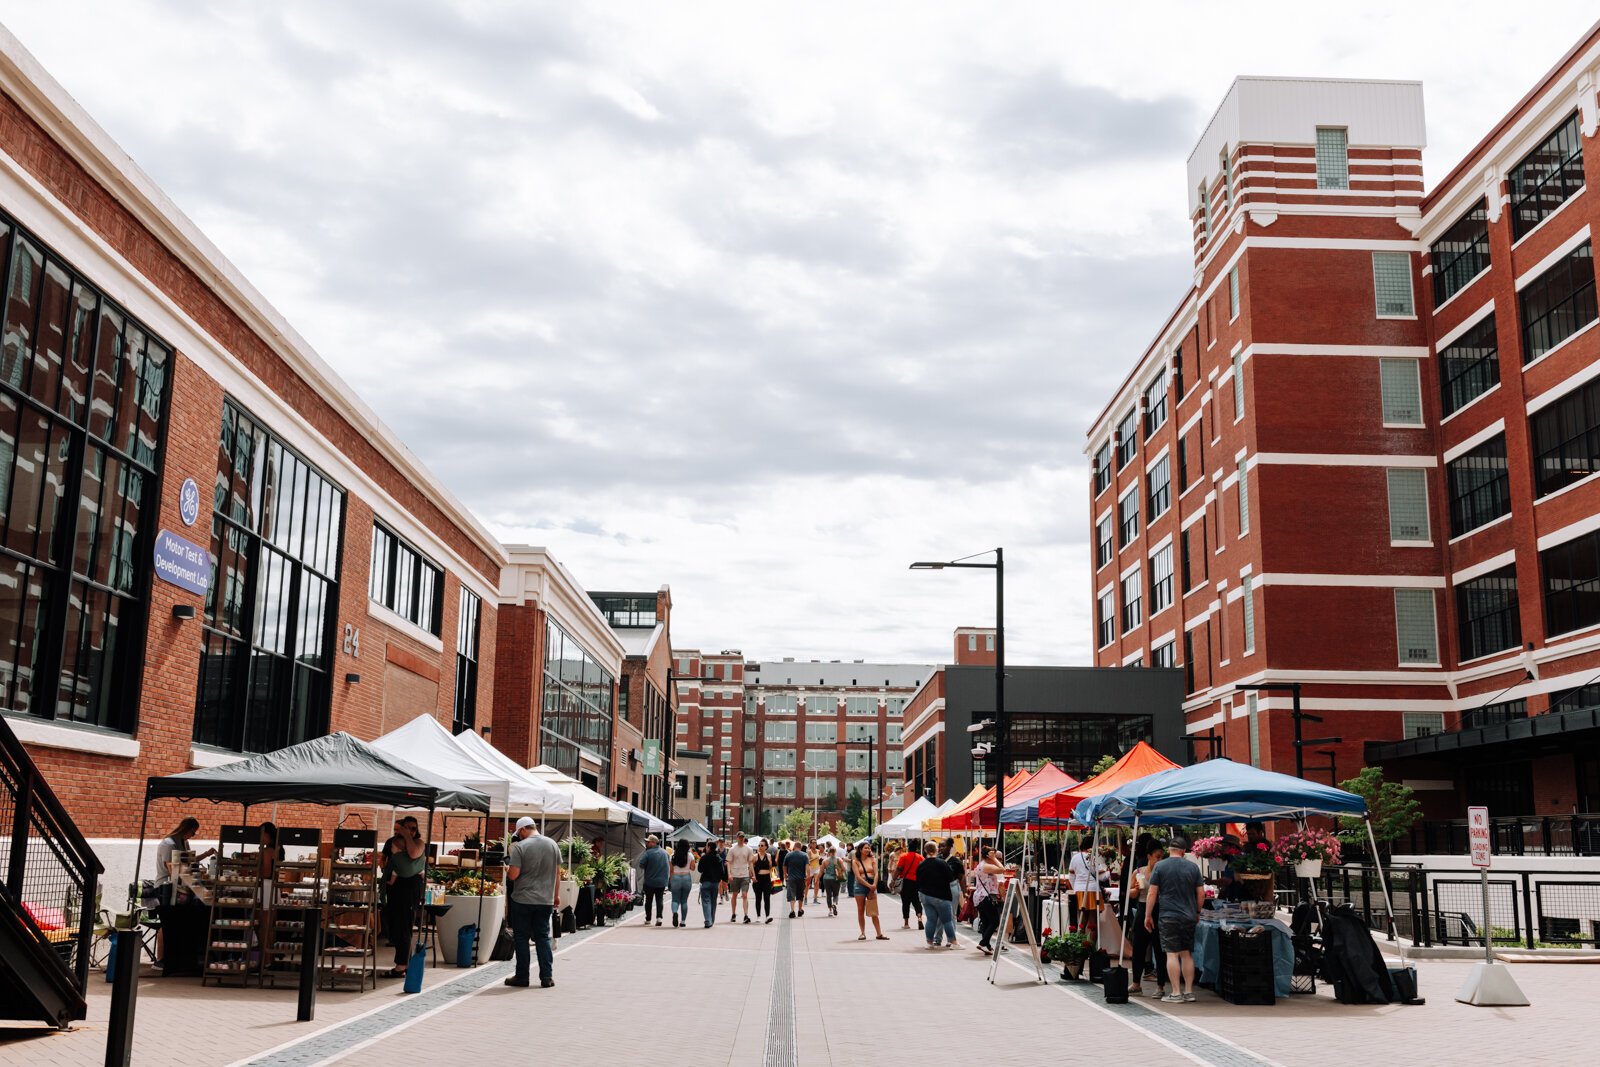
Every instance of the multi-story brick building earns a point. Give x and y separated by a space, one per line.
643 748
208 544
793 734
1359 454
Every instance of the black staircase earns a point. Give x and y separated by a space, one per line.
47 900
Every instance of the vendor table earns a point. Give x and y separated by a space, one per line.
1208 952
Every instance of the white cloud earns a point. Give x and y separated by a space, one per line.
763 301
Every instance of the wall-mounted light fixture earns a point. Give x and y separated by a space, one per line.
352 679
183 611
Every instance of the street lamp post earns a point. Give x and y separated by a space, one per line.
1000 727
872 775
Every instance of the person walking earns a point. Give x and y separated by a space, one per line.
832 874
905 876
1177 888
654 874
533 870
796 865
761 873
712 875
739 858
864 888
1147 954
986 896
936 883
814 873
681 881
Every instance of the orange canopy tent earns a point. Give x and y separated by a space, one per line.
966 816
1138 762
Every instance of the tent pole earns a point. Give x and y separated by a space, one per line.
1127 905
138 859
1377 861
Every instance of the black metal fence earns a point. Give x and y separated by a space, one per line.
1527 909
1542 835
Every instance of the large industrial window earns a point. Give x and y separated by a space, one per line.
1461 253
1160 580
404 580
1547 177
1128 518
1132 601
1102 468
1486 608
466 711
267 644
1248 599
1558 303
1391 285
1566 439
1469 366
1571 575
1107 622
576 726
1127 437
1158 488
1479 485
1155 404
1104 546
83 397
1415 626
1333 158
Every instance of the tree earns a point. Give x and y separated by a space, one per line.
796 826
1392 807
830 801
1102 765
855 809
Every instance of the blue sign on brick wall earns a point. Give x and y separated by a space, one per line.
184 564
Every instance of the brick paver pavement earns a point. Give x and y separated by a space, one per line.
620 991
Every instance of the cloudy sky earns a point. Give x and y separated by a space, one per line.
760 300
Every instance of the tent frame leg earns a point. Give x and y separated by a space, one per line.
1383 881
138 859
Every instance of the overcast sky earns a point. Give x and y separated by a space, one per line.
760 300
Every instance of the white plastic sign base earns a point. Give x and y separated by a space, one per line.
1491 985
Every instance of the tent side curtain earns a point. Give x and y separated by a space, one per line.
335 769
1217 790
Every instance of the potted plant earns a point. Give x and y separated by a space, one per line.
1217 851
1307 851
1070 950
1256 868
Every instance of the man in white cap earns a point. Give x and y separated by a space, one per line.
654 872
532 871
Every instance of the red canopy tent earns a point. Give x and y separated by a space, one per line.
1022 802
1138 762
966 816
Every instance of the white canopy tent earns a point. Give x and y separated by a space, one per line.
651 823
475 747
587 805
908 823
424 742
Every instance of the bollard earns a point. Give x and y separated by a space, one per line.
310 949
124 995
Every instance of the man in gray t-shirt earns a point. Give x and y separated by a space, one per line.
532 870
1177 888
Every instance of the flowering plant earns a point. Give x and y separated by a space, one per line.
1307 845
1215 848
1211 892
617 898
1255 859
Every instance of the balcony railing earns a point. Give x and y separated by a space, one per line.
1533 835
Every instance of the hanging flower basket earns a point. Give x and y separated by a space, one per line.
1308 869
1306 851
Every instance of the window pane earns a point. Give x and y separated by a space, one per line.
1547 177
1402 392
1391 283
1408 504
1558 303
1333 158
1479 486
1414 626
1470 366
1461 254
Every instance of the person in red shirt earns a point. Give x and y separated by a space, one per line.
905 875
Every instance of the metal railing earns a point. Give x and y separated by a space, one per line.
1362 889
1528 835
1544 909
51 874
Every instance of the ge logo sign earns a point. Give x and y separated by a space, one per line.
189 502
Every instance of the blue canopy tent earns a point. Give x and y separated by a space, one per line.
1220 790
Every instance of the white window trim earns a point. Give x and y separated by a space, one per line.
1560 252
1565 341
1487 392
1456 332
1489 432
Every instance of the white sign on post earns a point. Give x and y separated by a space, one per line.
1478 835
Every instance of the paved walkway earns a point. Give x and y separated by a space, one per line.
806 992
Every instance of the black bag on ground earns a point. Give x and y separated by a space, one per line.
1405 983
1116 985
503 948
1099 963
569 921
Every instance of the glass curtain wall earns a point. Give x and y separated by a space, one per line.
267 642
83 396
577 708
1074 743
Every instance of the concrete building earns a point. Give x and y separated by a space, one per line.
1359 454
1071 716
208 544
646 702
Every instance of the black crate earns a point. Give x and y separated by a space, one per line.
1244 968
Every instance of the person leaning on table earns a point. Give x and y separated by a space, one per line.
533 870
1177 888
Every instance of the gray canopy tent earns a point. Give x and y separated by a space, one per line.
693 833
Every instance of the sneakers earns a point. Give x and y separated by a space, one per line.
708 926
674 918
1172 998
747 920
802 912
1188 998
658 922
769 919
1135 990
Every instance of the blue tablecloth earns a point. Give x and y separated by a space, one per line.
1207 952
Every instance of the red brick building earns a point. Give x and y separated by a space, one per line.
208 544
790 734
1358 455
